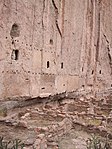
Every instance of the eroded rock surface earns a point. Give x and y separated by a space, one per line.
53 46
55 71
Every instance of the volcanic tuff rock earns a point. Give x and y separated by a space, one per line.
54 46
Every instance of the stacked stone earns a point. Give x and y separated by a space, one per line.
52 133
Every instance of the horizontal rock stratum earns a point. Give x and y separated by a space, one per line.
54 46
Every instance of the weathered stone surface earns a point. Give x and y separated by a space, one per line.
61 48
52 46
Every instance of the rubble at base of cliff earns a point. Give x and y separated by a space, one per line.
65 123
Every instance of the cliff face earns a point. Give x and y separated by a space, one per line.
53 46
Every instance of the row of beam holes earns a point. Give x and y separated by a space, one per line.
48 64
36 73
25 71
22 43
13 40
15 55
18 41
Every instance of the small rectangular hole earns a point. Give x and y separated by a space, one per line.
100 72
62 65
15 54
48 64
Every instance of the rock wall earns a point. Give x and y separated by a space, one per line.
53 46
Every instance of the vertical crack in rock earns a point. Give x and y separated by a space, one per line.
110 60
97 23
54 5
43 27
56 18
109 54
16 5
33 24
98 19
98 38
91 11
90 23
43 14
63 12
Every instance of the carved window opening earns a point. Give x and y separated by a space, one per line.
15 31
62 65
92 72
100 72
51 41
15 55
48 64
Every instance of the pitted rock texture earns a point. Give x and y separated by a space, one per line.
54 46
